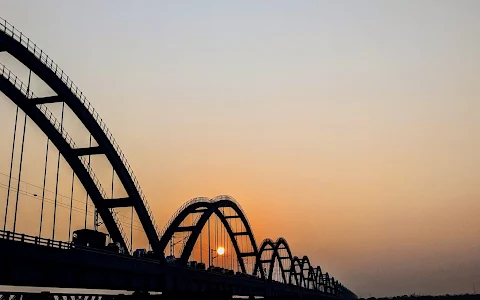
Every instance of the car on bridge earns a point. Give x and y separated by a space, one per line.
171 259
139 252
88 238
230 272
192 264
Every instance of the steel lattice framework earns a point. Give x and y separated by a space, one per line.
299 271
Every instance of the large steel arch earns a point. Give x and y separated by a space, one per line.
207 208
16 91
25 51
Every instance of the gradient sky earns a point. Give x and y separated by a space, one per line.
351 128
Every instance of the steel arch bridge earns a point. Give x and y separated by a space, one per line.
293 269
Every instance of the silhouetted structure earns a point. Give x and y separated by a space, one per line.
39 262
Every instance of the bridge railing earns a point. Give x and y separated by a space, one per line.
20 237
9 29
7 74
334 289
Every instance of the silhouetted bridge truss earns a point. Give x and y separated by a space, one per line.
29 260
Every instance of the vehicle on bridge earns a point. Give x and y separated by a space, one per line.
171 259
192 264
230 272
93 239
140 252
89 238
200 266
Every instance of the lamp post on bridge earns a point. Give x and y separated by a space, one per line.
173 243
220 251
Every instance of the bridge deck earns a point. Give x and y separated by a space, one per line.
30 264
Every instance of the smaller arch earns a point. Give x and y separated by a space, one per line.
266 245
336 287
333 285
296 262
280 244
305 261
318 278
311 278
327 286
208 207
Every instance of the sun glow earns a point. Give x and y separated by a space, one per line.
220 250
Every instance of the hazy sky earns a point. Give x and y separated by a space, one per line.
351 128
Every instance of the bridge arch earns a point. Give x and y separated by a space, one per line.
333 285
266 245
303 273
318 278
207 208
27 52
327 283
269 245
296 271
306 266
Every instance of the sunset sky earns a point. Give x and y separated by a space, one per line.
351 128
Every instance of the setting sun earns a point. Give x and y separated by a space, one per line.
220 250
